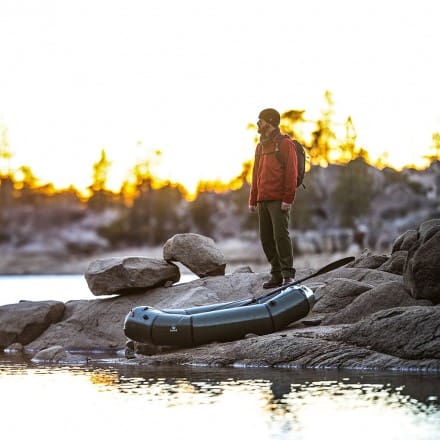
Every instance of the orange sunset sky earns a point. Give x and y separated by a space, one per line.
186 77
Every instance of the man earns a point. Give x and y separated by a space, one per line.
272 194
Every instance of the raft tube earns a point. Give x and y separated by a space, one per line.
219 322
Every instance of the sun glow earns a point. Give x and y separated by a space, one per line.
186 78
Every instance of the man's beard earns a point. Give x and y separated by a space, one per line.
263 131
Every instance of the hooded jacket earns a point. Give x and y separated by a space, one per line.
274 179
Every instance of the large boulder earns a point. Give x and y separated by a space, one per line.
421 273
373 277
407 332
126 275
386 296
337 294
27 320
395 263
198 253
405 241
369 260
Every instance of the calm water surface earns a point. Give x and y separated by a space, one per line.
14 288
108 400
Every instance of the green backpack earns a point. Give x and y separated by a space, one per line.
300 154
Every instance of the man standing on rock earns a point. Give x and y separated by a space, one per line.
272 194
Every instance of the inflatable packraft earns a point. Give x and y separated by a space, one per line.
219 322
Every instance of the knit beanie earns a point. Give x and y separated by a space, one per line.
271 116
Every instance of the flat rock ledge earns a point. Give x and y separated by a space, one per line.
335 347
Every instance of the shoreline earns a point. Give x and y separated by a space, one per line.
97 358
237 254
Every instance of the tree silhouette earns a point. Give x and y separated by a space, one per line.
6 178
291 124
323 136
100 172
5 154
348 146
435 148
28 186
101 198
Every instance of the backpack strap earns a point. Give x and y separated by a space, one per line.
278 154
258 154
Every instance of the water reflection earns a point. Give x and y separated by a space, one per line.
110 401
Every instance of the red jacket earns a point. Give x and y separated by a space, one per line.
271 179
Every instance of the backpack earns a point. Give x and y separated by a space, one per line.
300 154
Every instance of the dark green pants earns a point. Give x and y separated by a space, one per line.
275 239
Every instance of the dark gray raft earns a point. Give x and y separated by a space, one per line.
219 322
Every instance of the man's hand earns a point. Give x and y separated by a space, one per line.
285 206
252 209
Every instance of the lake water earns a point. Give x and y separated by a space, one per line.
108 400
14 288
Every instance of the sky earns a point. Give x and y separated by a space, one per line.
187 77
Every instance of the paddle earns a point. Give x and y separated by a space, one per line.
325 269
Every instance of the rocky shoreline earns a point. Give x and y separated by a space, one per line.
380 312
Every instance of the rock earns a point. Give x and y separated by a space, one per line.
16 347
368 260
129 351
197 252
88 325
147 349
243 269
25 321
127 275
405 241
421 273
406 332
337 294
369 276
427 229
396 262
385 296
57 355
317 347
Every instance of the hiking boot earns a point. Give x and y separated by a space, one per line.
273 282
288 281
